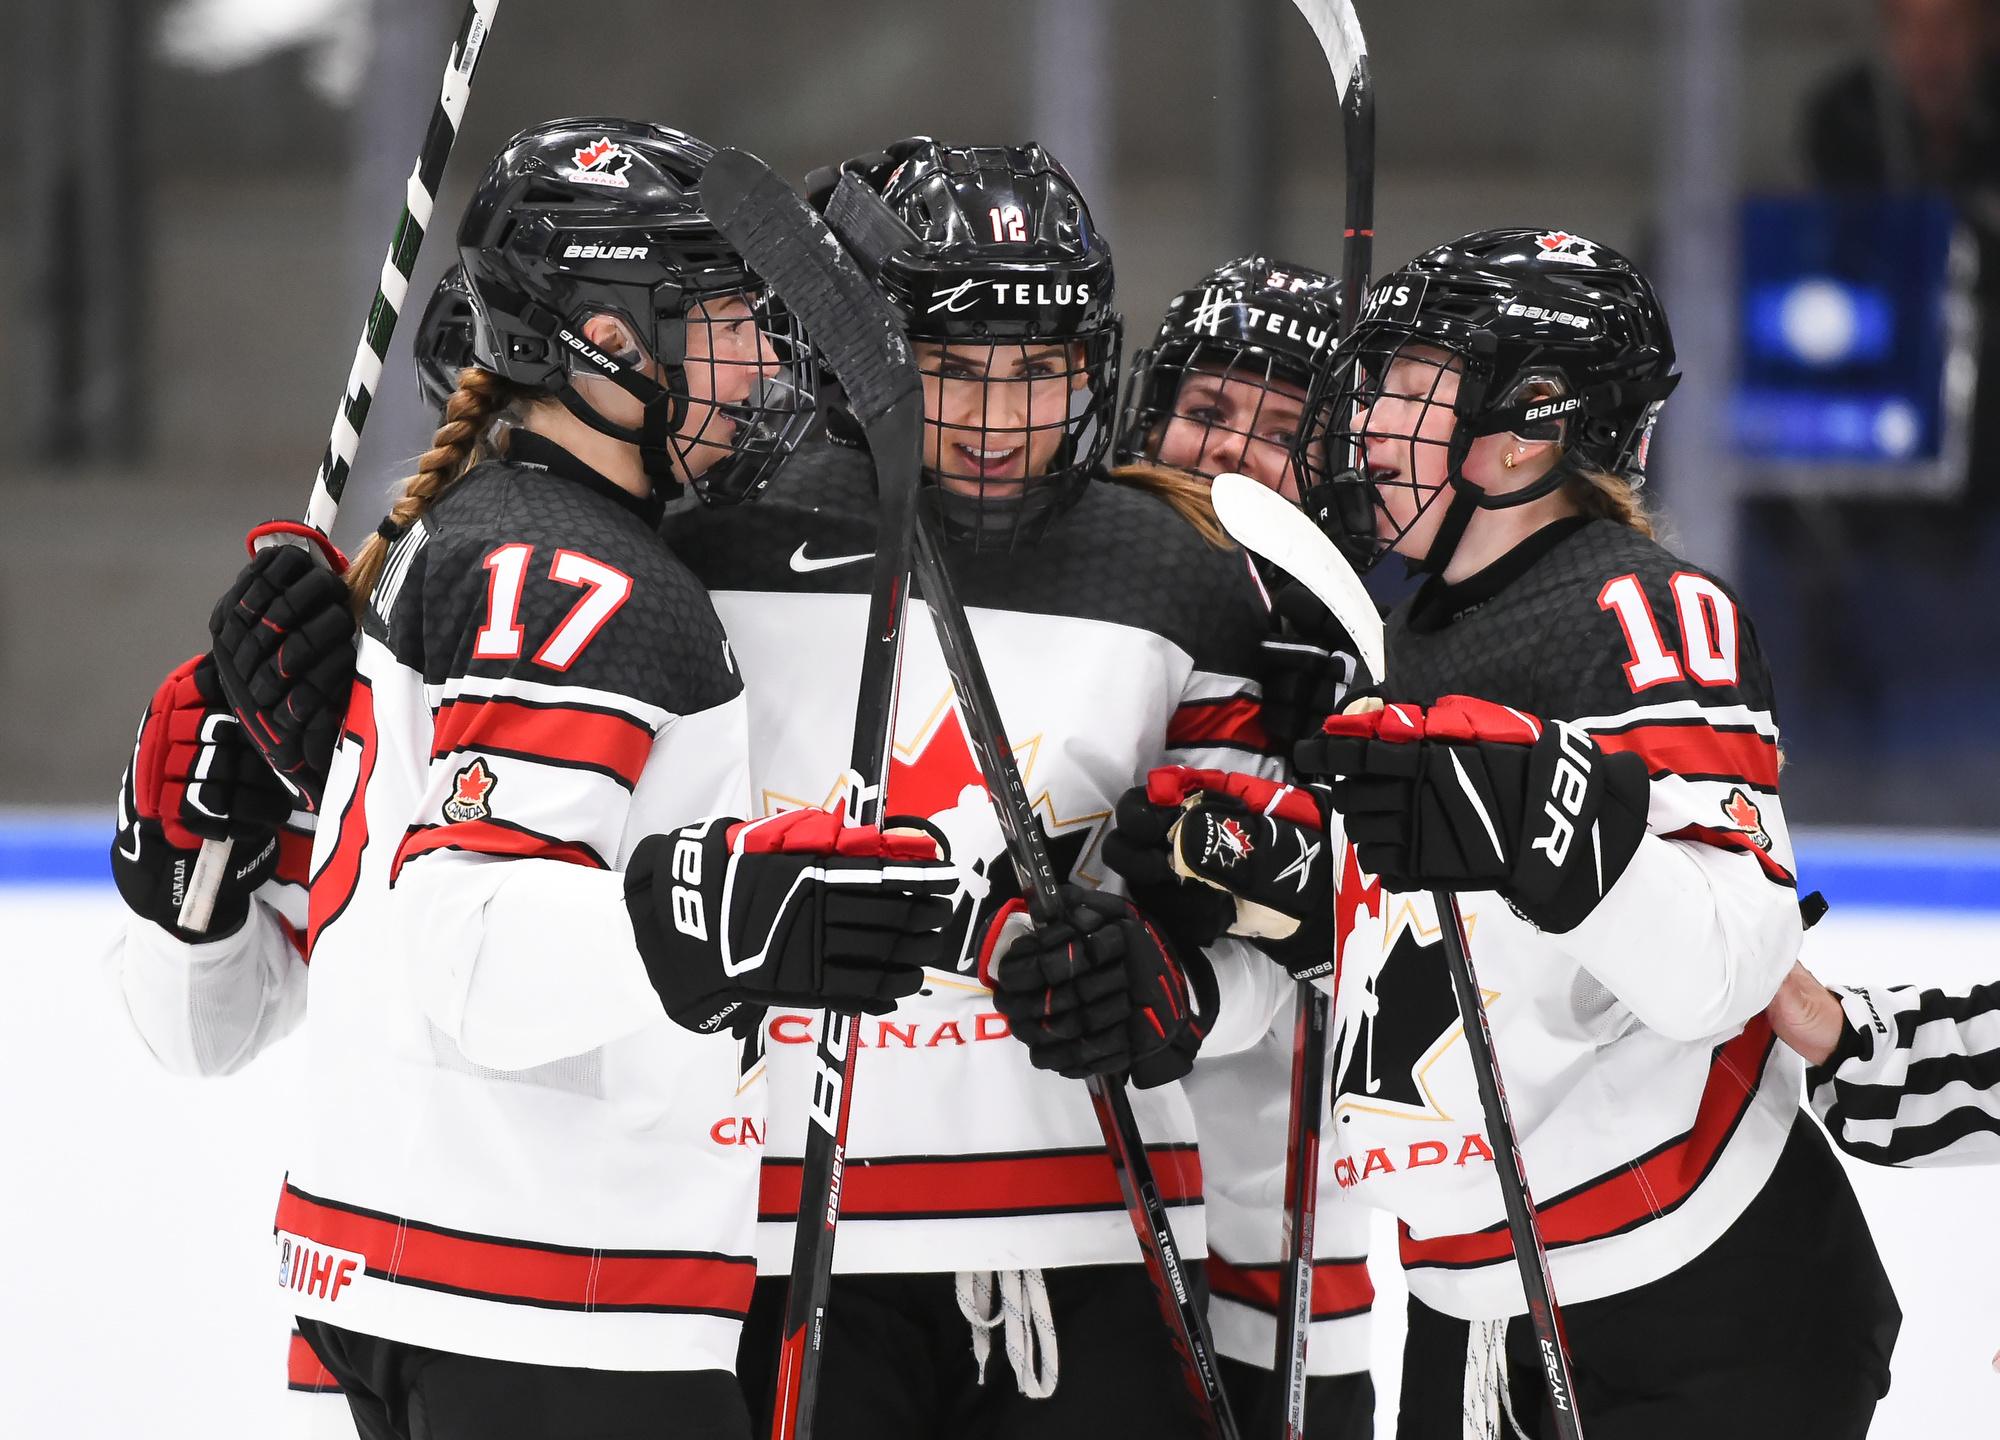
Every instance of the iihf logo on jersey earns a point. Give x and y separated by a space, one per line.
469 791
1568 249
602 162
1742 814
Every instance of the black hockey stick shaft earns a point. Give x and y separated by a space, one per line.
784 242
1186 1321
1357 113
198 907
1530 1254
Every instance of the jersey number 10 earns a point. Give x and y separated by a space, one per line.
1707 623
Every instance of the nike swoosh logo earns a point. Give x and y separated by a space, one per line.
804 566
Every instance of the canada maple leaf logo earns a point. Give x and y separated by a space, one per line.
1230 843
470 790
595 154
1742 813
602 162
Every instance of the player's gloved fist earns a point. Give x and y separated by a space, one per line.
1101 992
193 777
1470 795
1262 843
1192 914
796 909
1307 667
283 637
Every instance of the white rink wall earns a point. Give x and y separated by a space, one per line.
135 1294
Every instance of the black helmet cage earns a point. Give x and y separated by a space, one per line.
1551 337
445 342
1256 321
991 249
580 218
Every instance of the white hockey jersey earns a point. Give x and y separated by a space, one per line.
1119 642
1651 1098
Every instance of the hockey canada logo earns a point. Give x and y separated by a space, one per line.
469 791
602 162
1228 842
1566 248
1743 815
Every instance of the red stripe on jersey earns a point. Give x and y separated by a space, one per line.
1737 840
557 734
304 1372
1236 722
961 1187
1699 750
295 851
1636 1192
334 886
518 1272
1340 1287
491 837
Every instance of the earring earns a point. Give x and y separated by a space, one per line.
1509 460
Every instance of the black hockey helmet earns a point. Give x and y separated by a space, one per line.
444 342
992 249
594 216
1256 322
1551 337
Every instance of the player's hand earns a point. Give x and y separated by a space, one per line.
1807 1016
192 778
1307 667
1470 795
795 909
1101 992
283 638
1254 846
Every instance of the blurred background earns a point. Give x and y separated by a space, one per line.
201 192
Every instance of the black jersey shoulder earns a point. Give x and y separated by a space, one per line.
662 644
1119 555
1553 643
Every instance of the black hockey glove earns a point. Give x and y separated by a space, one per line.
1307 667
1193 916
1469 795
1254 845
1101 992
791 910
283 638
193 777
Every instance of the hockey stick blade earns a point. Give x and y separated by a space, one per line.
1339 32
1267 524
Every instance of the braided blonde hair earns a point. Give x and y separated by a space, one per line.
460 443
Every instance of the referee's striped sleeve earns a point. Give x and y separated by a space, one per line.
1916 1077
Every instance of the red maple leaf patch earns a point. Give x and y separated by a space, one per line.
469 791
595 153
1742 813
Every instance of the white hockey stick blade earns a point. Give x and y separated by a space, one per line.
1339 31
1265 523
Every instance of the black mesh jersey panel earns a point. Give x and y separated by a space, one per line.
1545 645
1120 556
662 646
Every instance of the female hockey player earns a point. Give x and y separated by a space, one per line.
1223 388
1580 742
518 1205
979 1212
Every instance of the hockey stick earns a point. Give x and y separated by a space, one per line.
782 240
1285 536
420 195
1187 1322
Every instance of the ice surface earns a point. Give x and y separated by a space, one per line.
136 1294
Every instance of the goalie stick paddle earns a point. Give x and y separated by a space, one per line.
855 331
1287 537
363 379
1186 1321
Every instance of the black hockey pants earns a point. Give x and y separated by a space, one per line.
406 1392
898 1362
1780 1330
1338 1407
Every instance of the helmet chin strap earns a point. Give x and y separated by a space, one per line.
1467 499
665 410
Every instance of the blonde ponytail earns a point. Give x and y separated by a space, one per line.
1604 496
480 398
1186 492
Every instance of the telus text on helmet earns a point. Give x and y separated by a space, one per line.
1214 302
964 295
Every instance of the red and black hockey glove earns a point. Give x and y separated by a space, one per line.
1306 668
1101 992
1470 795
792 910
1255 845
193 777
283 637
